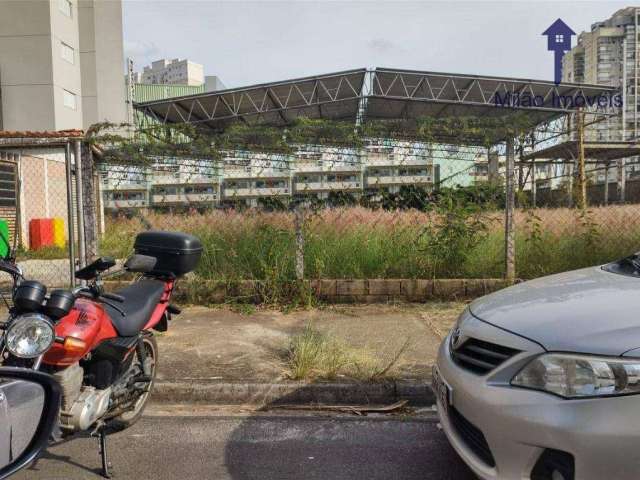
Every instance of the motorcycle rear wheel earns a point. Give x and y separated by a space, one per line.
127 419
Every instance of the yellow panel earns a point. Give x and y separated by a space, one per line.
59 239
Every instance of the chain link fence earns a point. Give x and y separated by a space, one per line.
556 234
390 209
394 211
39 208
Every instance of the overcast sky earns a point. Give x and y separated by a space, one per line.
253 42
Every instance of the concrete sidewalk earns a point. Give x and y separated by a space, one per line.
222 356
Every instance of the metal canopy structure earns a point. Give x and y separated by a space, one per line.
600 151
380 93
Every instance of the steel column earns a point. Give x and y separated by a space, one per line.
82 254
70 206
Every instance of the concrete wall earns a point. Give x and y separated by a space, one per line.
347 291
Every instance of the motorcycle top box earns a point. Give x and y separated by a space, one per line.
176 253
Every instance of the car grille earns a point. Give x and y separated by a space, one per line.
481 357
472 436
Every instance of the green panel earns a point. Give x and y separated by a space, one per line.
4 240
150 93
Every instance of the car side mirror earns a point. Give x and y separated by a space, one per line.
29 408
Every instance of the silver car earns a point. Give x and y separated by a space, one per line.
541 380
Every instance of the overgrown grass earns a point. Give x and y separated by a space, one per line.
44 253
361 243
316 355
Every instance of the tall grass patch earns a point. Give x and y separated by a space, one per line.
356 242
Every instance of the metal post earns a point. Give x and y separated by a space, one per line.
493 166
534 187
82 258
622 180
606 184
570 184
299 226
582 179
71 242
509 230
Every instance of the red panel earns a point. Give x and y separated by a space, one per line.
162 305
40 233
88 322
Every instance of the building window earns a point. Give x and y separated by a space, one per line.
65 7
67 53
69 99
559 38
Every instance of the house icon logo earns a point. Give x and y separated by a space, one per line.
559 42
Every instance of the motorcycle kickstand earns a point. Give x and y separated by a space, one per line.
106 464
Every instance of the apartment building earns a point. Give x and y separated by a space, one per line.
609 54
245 177
177 73
174 72
60 64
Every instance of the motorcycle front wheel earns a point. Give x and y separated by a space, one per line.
129 418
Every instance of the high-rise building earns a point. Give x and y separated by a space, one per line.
61 64
609 55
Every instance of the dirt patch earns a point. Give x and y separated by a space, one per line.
223 345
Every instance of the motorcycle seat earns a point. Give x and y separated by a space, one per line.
140 300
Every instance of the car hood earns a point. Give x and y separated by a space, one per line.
587 311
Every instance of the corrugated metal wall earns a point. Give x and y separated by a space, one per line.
149 93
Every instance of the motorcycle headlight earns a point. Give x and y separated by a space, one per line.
29 336
578 376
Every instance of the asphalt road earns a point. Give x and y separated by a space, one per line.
262 447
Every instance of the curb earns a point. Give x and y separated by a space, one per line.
292 393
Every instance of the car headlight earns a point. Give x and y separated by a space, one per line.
577 376
29 336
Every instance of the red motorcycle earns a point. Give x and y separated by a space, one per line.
99 346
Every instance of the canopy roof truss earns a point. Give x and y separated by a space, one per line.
379 93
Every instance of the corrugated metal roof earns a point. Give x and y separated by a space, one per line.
47 134
151 92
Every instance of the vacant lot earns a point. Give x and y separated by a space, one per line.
361 243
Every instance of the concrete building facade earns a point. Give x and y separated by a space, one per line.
174 72
101 61
317 170
60 64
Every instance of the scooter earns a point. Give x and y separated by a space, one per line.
99 346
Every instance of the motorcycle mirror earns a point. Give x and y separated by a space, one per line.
29 407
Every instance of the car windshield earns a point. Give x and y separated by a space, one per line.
629 266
